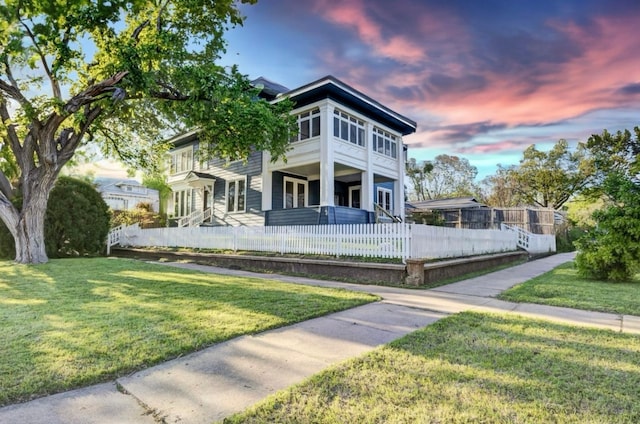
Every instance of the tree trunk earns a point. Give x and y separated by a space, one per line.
29 240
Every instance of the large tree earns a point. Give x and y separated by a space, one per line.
444 176
549 178
124 74
611 249
500 189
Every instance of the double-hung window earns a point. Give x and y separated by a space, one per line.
348 128
308 125
182 160
236 195
385 143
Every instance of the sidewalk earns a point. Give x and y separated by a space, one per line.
228 377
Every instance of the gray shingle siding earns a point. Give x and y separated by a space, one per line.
224 172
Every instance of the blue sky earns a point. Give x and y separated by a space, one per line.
483 79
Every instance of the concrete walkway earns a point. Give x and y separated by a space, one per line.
228 377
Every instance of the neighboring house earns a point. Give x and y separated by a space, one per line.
125 194
346 165
448 203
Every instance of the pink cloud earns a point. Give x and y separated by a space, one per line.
496 147
582 84
352 15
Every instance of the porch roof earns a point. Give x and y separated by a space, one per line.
197 179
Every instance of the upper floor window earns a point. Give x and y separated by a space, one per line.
348 128
181 161
385 143
308 125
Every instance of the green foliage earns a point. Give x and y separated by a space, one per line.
615 154
549 179
77 219
126 74
445 176
611 250
142 214
566 236
158 181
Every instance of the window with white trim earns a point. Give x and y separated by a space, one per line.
236 195
181 161
385 143
308 125
348 128
384 198
296 193
182 202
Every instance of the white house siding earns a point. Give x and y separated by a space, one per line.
122 195
306 157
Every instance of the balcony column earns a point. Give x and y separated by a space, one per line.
367 195
327 183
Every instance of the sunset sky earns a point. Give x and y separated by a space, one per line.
483 79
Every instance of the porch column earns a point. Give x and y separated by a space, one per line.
267 182
327 177
367 196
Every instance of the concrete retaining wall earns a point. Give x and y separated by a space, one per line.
361 272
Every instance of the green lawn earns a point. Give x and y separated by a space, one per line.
74 322
563 287
474 367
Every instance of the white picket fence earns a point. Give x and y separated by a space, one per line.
397 240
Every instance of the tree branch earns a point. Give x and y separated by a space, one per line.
55 86
5 186
136 32
69 147
12 137
91 94
13 89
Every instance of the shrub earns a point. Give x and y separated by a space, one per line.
611 250
76 221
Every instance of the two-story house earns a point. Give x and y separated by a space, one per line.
346 165
125 194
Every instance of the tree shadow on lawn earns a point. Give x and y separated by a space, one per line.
66 327
523 363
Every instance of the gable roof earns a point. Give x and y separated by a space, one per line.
333 88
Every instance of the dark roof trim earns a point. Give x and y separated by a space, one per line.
331 87
183 139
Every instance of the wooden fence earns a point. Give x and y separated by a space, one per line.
399 240
536 221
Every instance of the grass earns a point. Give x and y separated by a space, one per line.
473 367
564 287
75 322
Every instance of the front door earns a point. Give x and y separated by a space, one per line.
354 197
295 193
